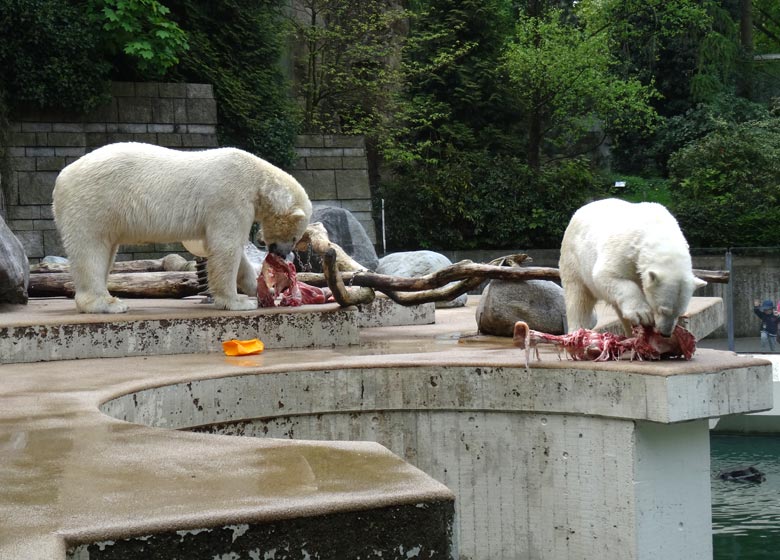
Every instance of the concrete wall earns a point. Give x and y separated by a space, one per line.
42 143
556 462
333 169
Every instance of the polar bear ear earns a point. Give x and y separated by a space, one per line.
298 213
652 278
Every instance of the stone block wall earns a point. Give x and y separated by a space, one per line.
334 171
182 116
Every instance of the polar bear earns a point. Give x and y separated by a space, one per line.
136 193
632 256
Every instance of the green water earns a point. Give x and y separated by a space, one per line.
745 516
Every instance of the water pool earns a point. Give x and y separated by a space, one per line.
746 516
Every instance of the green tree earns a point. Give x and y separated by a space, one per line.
345 62
565 83
141 30
237 46
726 185
50 55
454 95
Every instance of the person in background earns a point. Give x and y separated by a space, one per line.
770 317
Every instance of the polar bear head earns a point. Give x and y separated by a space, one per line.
283 209
281 232
668 293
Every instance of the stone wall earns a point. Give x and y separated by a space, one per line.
180 116
334 171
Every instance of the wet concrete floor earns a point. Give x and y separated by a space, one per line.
68 473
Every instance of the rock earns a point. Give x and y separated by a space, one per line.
53 259
14 267
345 231
537 302
413 264
743 474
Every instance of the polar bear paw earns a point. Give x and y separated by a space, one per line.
235 304
100 304
639 314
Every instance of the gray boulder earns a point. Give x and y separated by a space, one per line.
537 302
347 232
14 267
413 264
54 259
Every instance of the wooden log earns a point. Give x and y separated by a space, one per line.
170 263
462 270
129 285
712 276
316 237
345 297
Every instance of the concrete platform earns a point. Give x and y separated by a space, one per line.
565 460
50 329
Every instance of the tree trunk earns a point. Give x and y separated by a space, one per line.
746 41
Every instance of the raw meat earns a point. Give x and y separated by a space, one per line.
277 280
583 344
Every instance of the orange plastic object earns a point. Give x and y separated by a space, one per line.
242 347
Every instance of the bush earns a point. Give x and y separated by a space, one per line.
640 189
475 201
50 55
237 46
679 131
726 186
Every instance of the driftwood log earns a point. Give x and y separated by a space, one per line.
173 285
169 263
316 238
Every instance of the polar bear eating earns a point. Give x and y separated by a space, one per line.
138 193
630 255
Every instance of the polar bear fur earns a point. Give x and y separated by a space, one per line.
137 193
632 256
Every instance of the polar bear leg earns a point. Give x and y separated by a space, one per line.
628 300
90 275
579 306
222 269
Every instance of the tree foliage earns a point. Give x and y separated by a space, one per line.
344 62
50 55
726 185
142 31
237 46
568 89
453 95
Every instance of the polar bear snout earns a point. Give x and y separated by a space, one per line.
281 249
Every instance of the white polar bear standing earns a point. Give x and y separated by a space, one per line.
632 256
137 193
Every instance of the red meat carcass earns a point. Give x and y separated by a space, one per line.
583 344
277 280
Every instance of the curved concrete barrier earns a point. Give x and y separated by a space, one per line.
564 460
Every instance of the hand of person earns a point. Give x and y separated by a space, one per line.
756 302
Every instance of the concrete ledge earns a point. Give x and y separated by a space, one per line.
393 533
526 451
715 384
564 460
384 312
47 330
